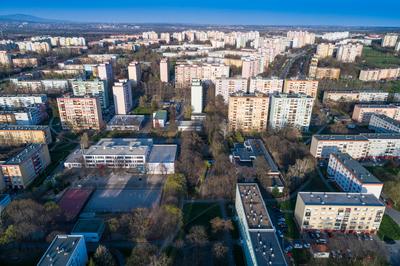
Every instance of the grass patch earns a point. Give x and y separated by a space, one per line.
316 184
142 111
379 59
389 228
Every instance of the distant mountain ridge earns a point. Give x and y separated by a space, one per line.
26 18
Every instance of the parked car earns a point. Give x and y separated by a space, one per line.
306 244
280 233
297 244
321 241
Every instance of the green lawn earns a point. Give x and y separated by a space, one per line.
142 111
378 59
389 228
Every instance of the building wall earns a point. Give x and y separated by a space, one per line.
248 112
363 113
123 100
80 113
20 136
308 87
333 217
225 86
323 148
287 110
267 86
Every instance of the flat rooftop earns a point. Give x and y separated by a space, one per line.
257 216
267 249
292 95
122 120
161 153
380 106
381 135
339 198
161 114
120 146
24 154
60 250
356 91
21 127
341 137
362 174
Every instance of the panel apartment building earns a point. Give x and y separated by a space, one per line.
17 101
290 110
260 243
266 85
80 113
11 135
248 111
307 87
93 88
185 72
225 86
363 112
365 145
351 176
379 74
384 124
338 211
355 96
20 170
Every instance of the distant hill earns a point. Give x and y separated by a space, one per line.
26 18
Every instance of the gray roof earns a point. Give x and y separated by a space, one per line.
120 146
341 137
126 120
362 174
161 153
24 154
269 246
22 127
161 114
366 105
339 198
64 243
381 135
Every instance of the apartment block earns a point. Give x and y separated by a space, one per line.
11 135
351 176
185 72
307 87
327 73
363 112
20 170
25 62
379 74
383 145
354 145
312 69
266 85
355 96
290 110
364 145
31 115
164 70
134 72
252 66
21 100
325 50
348 53
338 211
80 113
68 250
260 243
248 111
383 124
5 58
300 38
140 155
123 99
93 88
389 40
225 86
198 98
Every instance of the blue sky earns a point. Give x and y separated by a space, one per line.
268 12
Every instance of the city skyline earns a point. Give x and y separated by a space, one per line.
309 12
